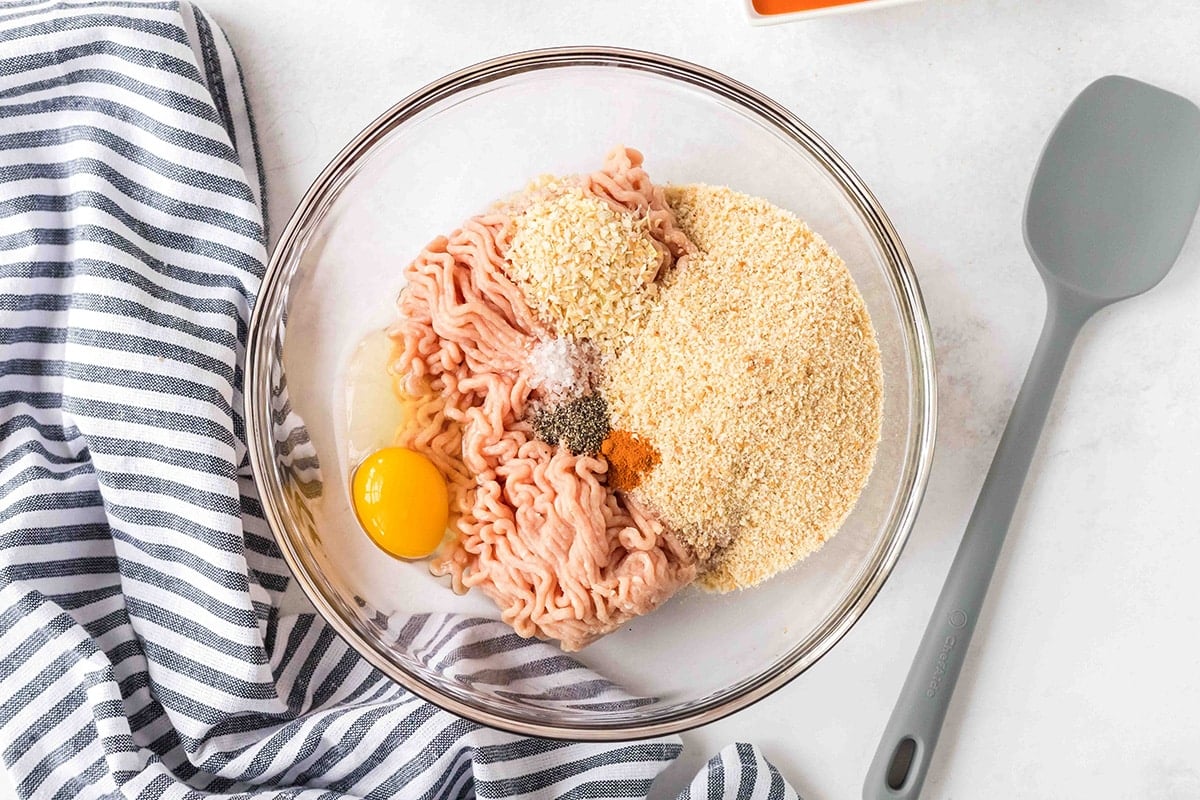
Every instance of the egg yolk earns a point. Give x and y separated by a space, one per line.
401 501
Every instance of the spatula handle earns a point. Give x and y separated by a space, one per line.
906 750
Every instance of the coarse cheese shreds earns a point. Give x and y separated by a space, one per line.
585 268
758 378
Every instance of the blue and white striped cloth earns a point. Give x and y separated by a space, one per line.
143 655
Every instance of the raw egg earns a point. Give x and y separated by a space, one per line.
401 501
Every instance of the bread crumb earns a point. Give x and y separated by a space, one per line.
758 377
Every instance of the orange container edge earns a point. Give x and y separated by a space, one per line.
773 7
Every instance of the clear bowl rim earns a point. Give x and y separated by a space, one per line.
327 185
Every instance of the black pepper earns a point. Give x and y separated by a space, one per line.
581 425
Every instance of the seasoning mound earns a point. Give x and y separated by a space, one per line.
758 379
581 425
563 369
628 459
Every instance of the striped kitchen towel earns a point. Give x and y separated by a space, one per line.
142 652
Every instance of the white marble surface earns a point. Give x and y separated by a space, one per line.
1081 679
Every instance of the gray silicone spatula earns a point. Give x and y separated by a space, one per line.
1112 201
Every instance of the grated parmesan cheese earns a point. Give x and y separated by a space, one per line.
586 268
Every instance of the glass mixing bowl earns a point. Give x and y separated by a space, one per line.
445 153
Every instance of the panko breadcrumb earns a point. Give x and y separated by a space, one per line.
757 377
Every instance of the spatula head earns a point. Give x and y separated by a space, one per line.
1116 190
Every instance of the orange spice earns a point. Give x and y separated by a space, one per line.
629 458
